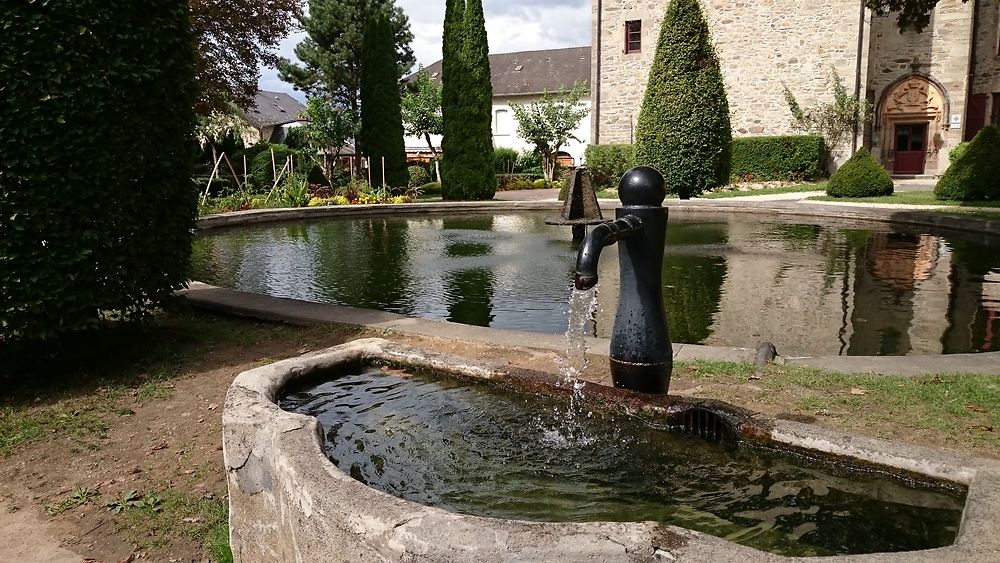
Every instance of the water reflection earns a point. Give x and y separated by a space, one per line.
811 288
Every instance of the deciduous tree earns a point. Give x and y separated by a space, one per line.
421 107
332 51
549 123
231 44
910 14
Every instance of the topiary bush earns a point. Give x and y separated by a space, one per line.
95 162
430 188
683 128
418 176
788 157
860 176
956 153
975 176
606 164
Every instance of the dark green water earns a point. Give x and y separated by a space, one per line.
471 448
729 280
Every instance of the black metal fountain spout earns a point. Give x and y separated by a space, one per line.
641 356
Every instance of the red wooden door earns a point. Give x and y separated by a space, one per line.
911 141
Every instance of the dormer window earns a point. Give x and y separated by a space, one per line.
633 36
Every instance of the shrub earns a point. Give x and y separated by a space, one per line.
606 164
219 187
955 153
262 167
683 127
529 162
252 151
296 138
95 173
418 176
381 134
505 160
430 188
790 157
975 176
860 176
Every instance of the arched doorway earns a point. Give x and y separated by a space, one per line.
911 118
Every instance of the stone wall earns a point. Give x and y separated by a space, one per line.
987 79
761 45
939 53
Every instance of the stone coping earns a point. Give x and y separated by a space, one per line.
915 216
288 502
304 312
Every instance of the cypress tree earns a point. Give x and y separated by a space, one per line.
479 104
381 119
466 104
452 74
683 129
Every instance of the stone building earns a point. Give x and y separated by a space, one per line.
930 90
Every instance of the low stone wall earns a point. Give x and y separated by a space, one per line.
288 502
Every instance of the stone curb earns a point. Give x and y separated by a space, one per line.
288 502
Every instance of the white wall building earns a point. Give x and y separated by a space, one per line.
520 78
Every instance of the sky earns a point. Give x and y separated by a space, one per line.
511 25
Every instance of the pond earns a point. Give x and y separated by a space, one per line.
811 288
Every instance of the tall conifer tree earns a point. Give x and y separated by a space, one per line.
452 74
683 129
467 104
381 119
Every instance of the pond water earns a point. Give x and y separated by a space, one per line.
731 280
472 448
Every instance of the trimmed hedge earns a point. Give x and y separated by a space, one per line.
96 159
975 175
957 151
505 160
606 164
790 157
860 176
262 167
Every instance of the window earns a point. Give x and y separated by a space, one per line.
501 123
633 36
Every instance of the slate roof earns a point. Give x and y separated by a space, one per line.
532 72
274 108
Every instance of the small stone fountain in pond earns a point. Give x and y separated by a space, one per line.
641 356
581 207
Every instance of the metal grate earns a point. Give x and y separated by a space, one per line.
707 425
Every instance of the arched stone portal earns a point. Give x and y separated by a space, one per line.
911 120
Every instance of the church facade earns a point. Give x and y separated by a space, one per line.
930 90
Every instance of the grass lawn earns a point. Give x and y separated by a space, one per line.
910 198
115 435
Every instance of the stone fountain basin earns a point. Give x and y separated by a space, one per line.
288 502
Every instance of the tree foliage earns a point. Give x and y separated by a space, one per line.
683 128
231 44
910 14
332 51
381 137
329 127
835 121
421 107
96 203
550 122
467 104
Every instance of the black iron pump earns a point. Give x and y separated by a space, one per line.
641 356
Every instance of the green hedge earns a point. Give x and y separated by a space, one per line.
860 176
791 157
95 161
606 164
975 175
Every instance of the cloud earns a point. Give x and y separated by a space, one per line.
511 25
